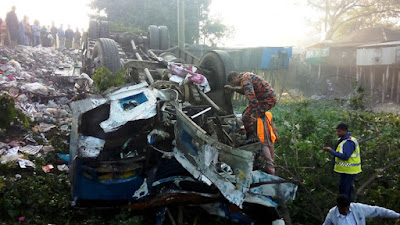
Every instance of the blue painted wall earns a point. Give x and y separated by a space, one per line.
262 58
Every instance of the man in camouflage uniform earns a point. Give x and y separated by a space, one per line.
260 94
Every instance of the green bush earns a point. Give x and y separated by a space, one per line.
9 114
104 79
305 127
357 99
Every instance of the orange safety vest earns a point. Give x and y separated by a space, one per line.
260 128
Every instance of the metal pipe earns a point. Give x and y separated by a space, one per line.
146 70
152 54
200 113
209 100
181 24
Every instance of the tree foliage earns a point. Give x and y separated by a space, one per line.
214 31
339 17
142 13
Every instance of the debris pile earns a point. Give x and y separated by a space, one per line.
34 126
29 82
28 75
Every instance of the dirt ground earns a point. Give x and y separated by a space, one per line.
387 108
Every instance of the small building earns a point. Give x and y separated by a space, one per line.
380 63
371 52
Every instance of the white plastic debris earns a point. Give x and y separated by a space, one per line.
45 127
176 79
22 98
47 149
23 163
15 64
30 149
37 88
90 146
84 81
56 112
11 155
62 167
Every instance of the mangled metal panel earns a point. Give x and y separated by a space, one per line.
126 104
78 108
260 199
282 191
85 105
202 156
131 103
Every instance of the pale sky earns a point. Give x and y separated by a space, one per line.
73 12
256 22
265 22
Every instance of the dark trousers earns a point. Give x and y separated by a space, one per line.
346 184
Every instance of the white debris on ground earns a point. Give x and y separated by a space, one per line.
33 77
389 107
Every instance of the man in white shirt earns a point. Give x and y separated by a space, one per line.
347 213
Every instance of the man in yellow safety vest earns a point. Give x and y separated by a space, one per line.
347 159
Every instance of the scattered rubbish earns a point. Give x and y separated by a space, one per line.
3 145
31 150
23 163
65 128
183 73
64 157
13 144
18 176
83 82
56 112
29 138
44 127
10 156
62 167
48 168
38 88
29 77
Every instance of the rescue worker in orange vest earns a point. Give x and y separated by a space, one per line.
347 159
267 135
261 98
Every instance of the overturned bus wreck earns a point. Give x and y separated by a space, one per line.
153 144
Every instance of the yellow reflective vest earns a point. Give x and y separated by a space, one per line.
353 164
